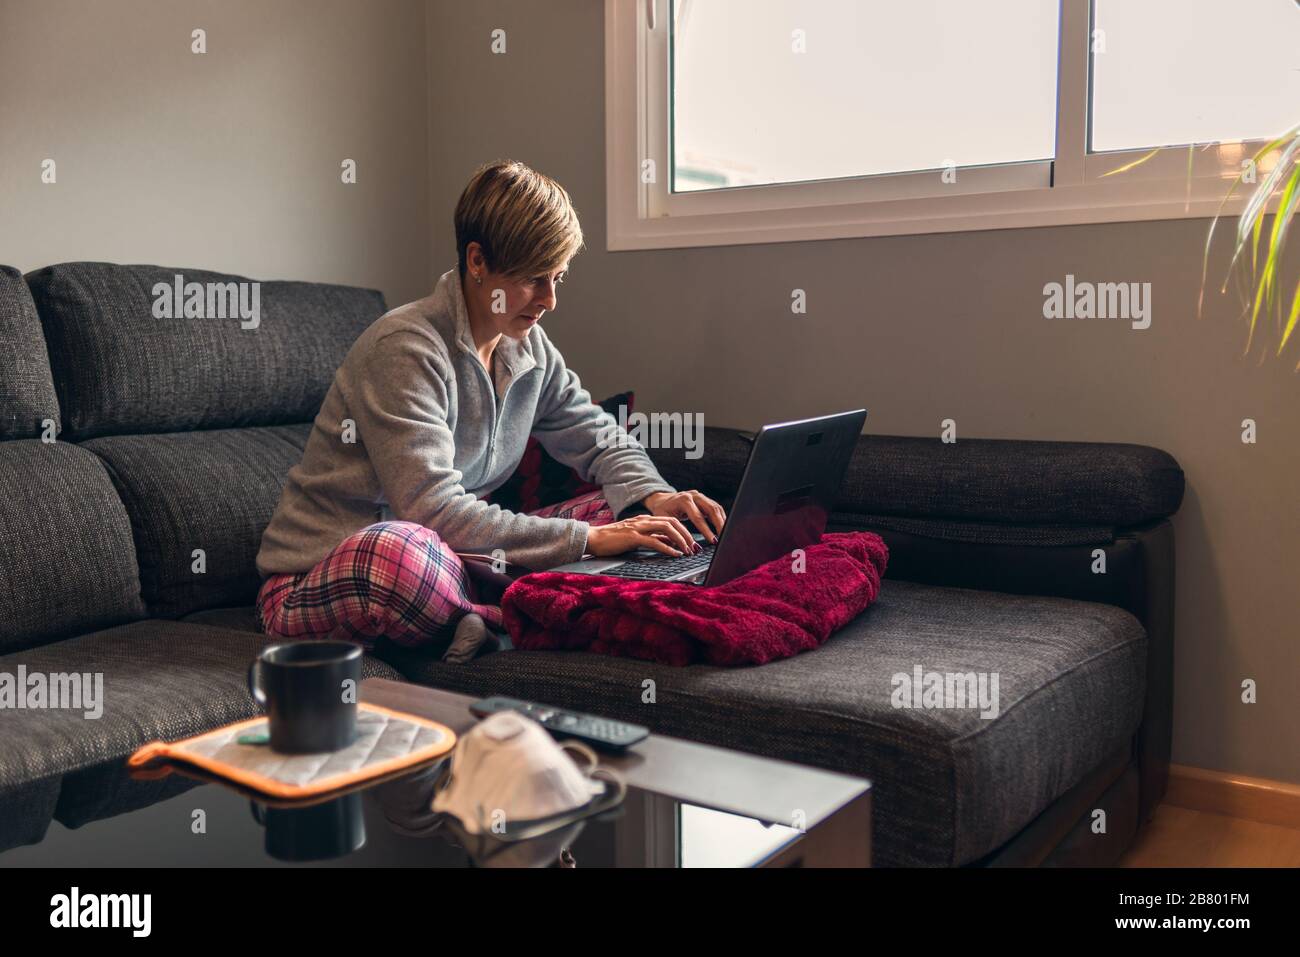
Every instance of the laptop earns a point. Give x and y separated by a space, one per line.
790 482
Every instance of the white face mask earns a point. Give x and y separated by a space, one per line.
511 781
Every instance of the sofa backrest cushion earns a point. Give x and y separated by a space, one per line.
67 559
977 490
199 502
1012 481
121 366
27 397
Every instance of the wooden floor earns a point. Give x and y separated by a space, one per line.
1180 837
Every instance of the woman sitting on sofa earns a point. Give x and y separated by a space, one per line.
429 412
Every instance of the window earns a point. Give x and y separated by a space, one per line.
783 91
732 121
1179 72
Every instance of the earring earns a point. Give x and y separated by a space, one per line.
479 280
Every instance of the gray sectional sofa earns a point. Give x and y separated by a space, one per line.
127 547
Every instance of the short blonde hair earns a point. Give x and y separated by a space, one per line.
522 219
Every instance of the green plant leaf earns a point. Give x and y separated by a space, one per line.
1264 192
1260 292
1250 230
1277 238
1128 166
1291 321
1209 239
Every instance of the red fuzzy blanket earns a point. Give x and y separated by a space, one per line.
775 611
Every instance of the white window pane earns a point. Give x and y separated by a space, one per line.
1173 72
882 87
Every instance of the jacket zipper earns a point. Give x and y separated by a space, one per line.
497 408
496 419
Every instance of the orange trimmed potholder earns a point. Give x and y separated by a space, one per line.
387 741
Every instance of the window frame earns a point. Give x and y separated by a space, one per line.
1074 188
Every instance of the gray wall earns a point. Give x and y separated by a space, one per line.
919 329
227 160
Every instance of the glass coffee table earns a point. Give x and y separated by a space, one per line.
687 805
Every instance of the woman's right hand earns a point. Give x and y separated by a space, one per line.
659 532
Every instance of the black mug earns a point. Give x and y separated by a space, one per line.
302 688
317 832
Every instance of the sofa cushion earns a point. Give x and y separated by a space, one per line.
120 370
949 785
162 680
67 560
29 807
107 789
26 388
951 488
242 618
211 490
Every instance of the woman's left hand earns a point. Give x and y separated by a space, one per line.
692 506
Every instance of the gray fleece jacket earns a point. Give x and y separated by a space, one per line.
413 428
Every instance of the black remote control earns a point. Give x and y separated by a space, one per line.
604 734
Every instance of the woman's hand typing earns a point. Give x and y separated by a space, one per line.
662 533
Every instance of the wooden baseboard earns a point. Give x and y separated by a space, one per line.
1235 795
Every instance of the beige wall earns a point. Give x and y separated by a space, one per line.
918 329
229 160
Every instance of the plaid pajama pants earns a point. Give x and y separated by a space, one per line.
397 580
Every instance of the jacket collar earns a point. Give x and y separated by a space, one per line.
515 356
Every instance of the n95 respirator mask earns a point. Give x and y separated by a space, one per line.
510 780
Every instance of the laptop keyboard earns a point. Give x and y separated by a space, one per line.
658 569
